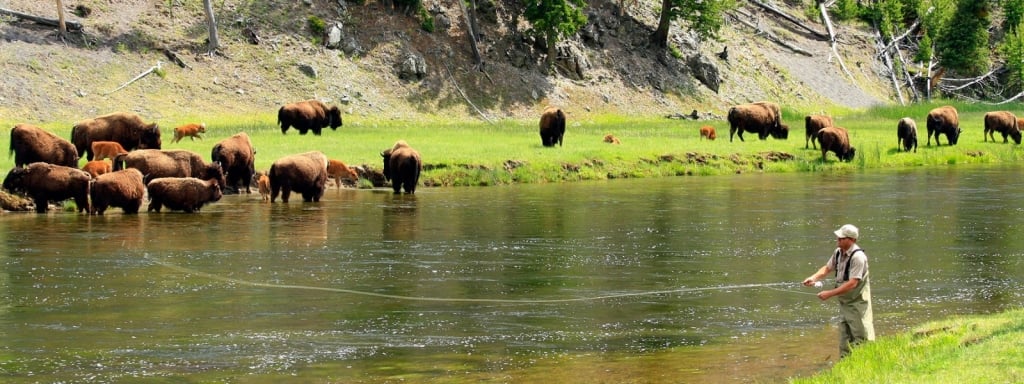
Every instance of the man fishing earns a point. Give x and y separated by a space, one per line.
850 264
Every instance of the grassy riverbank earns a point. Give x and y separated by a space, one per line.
972 349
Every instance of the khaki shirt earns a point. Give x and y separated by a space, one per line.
858 264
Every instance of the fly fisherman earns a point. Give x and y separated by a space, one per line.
850 265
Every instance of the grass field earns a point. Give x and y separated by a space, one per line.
476 153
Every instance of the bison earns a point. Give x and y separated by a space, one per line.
611 139
552 127
402 165
813 124
237 157
906 135
97 167
31 144
191 130
263 185
943 120
44 182
337 170
304 173
123 189
707 132
127 129
187 194
155 163
308 115
756 118
1003 122
837 140
106 150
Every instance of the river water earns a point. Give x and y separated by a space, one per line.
686 279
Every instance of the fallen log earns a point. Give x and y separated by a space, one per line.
72 26
791 19
772 37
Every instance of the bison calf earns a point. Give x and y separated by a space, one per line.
837 140
611 139
44 182
337 170
707 132
906 132
191 130
107 150
123 189
187 194
263 185
97 167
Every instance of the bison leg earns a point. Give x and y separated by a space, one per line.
41 204
410 186
154 205
132 207
285 193
396 186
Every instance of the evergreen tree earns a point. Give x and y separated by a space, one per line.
554 20
705 17
1012 50
963 46
1013 12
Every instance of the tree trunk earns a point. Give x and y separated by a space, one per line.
660 35
211 25
472 34
61 26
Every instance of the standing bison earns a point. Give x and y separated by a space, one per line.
552 127
757 118
304 173
31 144
943 120
155 163
187 194
837 140
308 115
338 170
191 130
906 132
402 165
44 182
123 189
1003 122
127 129
813 124
237 157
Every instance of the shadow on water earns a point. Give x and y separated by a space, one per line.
663 280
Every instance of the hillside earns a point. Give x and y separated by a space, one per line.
50 79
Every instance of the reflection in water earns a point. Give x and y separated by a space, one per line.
691 279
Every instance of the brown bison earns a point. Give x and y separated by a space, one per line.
552 127
906 132
106 150
402 165
308 115
97 167
237 157
44 182
776 111
191 130
756 118
1003 122
127 129
337 170
837 140
611 139
155 163
263 185
943 120
304 173
707 132
123 189
813 124
187 194
31 144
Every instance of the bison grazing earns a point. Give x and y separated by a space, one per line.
552 127
837 140
31 144
308 115
906 132
402 165
708 132
1003 122
123 189
304 173
106 150
187 194
237 157
97 167
943 120
756 118
155 163
127 129
191 130
44 182
337 170
813 124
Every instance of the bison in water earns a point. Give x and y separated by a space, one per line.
337 170
402 165
304 173
943 120
123 189
813 124
552 127
31 144
837 140
308 115
127 129
1003 122
237 157
44 182
756 118
98 167
187 194
154 164
191 130
906 133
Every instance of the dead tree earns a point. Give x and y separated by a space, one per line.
211 25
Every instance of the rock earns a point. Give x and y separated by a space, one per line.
334 35
414 67
705 71
571 57
308 70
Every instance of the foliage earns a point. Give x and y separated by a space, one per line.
1012 50
963 46
1013 14
317 26
844 10
554 20
703 17
426 20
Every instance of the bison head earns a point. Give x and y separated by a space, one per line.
214 171
848 156
387 160
953 136
334 114
780 132
14 181
1015 135
150 137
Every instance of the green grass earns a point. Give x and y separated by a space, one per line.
975 349
475 153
